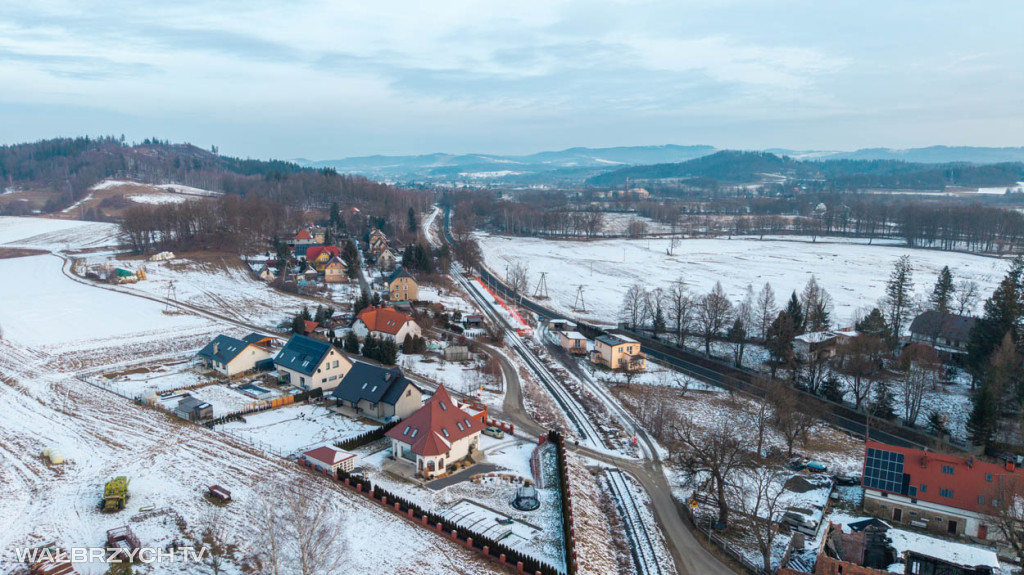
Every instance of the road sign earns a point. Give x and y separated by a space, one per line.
693 504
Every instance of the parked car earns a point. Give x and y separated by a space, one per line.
847 480
816 467
494 432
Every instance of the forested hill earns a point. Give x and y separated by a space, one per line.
747 167
64 169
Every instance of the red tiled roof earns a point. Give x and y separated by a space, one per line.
310 326
313 252
433 428
303 235
328 455
383 319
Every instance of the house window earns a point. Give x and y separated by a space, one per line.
947 469
988 477
443 406
459 425
924 488
444 431
981 500
947 493
335 363
406 432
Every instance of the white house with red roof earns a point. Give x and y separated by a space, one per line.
385 323
328 458
436 435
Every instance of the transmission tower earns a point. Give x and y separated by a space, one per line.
579 304
172 294
542 287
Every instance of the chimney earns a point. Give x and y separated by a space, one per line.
216 348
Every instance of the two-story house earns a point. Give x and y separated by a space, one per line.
402 286
618 352
309 363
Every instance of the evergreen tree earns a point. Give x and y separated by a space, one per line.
737 335
874 325
942 293
305 313
1001 316
779 342
351 342
883 403
898 293
387 352
298 324
409 345
376 299
370 348
937 423
361 303
335 217
350 255
658 325
796 313
981 424
832 389
412 221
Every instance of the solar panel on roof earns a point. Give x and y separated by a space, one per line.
884 470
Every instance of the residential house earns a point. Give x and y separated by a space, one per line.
616 352
557 325
230 357
318 256
436 435
257 338
872 547
302 240
402 286
331 459
309 363
573 341
472 321
385 323
387 260
335 271
946 331
947 494
820 344
378 393
193 409
319 234
378 242
266 273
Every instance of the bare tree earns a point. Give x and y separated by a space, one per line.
817 306
859 361
760 500
680 309
270 524
315 532
765 309
719 451
758 416
713 311
1006 506
792 415
216 537
634 306
518 279
920 367
494 332
966 297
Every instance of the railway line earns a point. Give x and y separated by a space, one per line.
641 543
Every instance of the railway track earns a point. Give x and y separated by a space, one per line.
641 543
574 412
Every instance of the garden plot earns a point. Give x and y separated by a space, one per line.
491 524
493 491
223 399
853 273
146 380
295 428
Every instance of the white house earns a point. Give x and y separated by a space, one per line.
331 459
231 357
385 323
438 434
309 363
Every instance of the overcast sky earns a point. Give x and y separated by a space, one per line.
325 80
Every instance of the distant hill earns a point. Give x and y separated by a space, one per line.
736 167
489 167
931 155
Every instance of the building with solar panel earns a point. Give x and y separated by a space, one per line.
943 493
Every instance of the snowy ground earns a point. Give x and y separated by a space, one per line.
56 329
295 428
51 234
540 534
853 273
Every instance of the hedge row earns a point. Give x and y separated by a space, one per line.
494 548
568 534
367 437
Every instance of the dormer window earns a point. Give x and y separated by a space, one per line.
443 406
444 431
459 425
407 428
414 432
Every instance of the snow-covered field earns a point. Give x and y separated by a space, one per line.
56 329
52 234
853 273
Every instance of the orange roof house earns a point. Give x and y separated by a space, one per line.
385 322
437 434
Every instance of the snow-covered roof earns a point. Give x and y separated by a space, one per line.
949 551
815 336
574 335
328 455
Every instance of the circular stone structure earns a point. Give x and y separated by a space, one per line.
526 499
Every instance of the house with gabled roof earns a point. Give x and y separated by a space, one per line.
309 363
387 260
402 286
436 435
335 271
616 351
329 458
302 240
230 357
378 393
318 256
385 323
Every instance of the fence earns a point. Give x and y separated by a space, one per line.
367 437
704 530
568 523
266 405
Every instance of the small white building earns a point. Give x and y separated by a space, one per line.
573 341
328 458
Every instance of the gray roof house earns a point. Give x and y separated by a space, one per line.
193 409
375 392
945 330
309 363
231 357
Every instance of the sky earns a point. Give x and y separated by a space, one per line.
330 79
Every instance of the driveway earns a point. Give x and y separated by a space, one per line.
464 475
